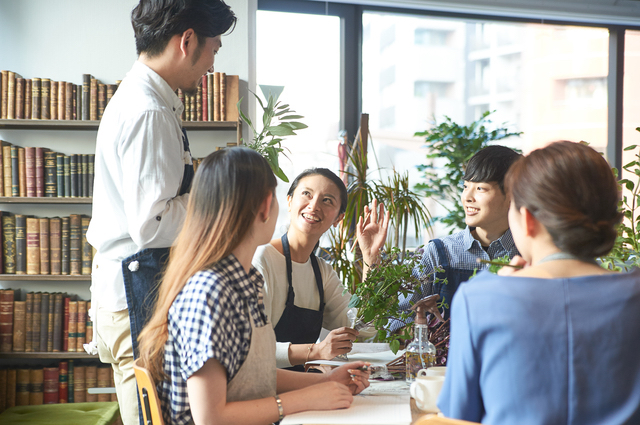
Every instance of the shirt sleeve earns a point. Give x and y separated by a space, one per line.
260 262
461 396
282 355
153 166
336 299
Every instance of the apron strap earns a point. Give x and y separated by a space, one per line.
316 271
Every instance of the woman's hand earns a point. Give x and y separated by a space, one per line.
371 231
324 396
352 376
339 341
515 261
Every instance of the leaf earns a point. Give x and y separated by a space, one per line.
394 346
280 130
292 117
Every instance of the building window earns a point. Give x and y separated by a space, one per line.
430 37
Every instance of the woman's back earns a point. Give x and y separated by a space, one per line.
545 351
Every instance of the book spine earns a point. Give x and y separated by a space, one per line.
91 159
39 172
67 176
50 323
9 243
4 388
199 104
19 325
37 318
55 245
44 321
82 325
63 382
73 326
210 95
45 108
73 171
77 102
6 320
22 387
20 98
59 175
104 380
22 175
53 98
68 101
75 242
50 180
71 381
102 99
4 76
84 174
11 96
193 110
57 323
86 100
21 244
28 347
15 172
62 100
86 247
6 171
205 99
2 170
35 99
65 324
79 385
33 246
51 384
30 171
11 388
28 110
89 328
93 105
36 387
232 97
91 381
216 96
66 246
223 96
45 265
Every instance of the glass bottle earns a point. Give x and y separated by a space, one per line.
420 353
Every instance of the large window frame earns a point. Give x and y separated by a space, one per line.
351 57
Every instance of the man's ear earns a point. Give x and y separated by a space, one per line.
188 42
338 220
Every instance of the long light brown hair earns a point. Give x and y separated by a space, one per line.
225 198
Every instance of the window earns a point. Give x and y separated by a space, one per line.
430 88
581 91
430 37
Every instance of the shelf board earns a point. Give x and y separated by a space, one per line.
93 125
48 355
52 200
47 277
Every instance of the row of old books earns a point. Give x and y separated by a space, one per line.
45 246
43 322
35 172
215 100
67 382
42 98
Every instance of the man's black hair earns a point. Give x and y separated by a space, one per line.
490 164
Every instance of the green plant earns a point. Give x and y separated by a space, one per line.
455 144
625 254
268 141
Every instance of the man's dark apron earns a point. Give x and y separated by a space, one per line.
142 271
299 325
454 278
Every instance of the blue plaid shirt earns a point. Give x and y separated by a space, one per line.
208 320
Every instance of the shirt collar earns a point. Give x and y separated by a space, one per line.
251 282
168 96
506 240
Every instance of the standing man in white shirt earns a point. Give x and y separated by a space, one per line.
143 173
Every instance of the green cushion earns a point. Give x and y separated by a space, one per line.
98 413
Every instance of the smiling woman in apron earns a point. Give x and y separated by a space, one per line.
209 344
303 293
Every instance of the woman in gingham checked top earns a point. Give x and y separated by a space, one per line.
209 345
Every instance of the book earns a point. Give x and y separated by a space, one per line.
19 325
19 98
192 108
36 387
199 103
4 105
65 323
71 381
232 90
51 383
30 171
50 179
44 321
45 265
39 172
93 99
205 99
62 99
75 244
22 176
59 175
27 99
3 390
69 98
210 96
45 107
91 159
86 247
91 381
33 245
67 176
9 242
89 327
50 323
37 318
22 387
86 99
6 168
57 322
2 143
223 96
79 385
21 244
73 172
216 96
29 323
35 98
55 245
73 326
66 246
102 99
53 98
11 389
15 172
104 381
83 162
82 325
63 382
77 102
6 319
11 96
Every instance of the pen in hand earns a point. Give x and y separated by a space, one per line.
496 263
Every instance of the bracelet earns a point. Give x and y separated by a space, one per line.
280 408
309 351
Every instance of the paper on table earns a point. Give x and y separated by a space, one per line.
371 410
382 357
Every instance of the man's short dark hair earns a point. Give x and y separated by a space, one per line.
490 164
156 21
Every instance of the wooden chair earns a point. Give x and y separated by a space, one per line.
439 420
151 411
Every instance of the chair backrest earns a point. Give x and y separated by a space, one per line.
151 411
439 420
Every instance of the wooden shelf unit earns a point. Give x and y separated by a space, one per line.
47 355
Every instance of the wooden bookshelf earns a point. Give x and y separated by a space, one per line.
48 277
48 355
43 200
93 125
